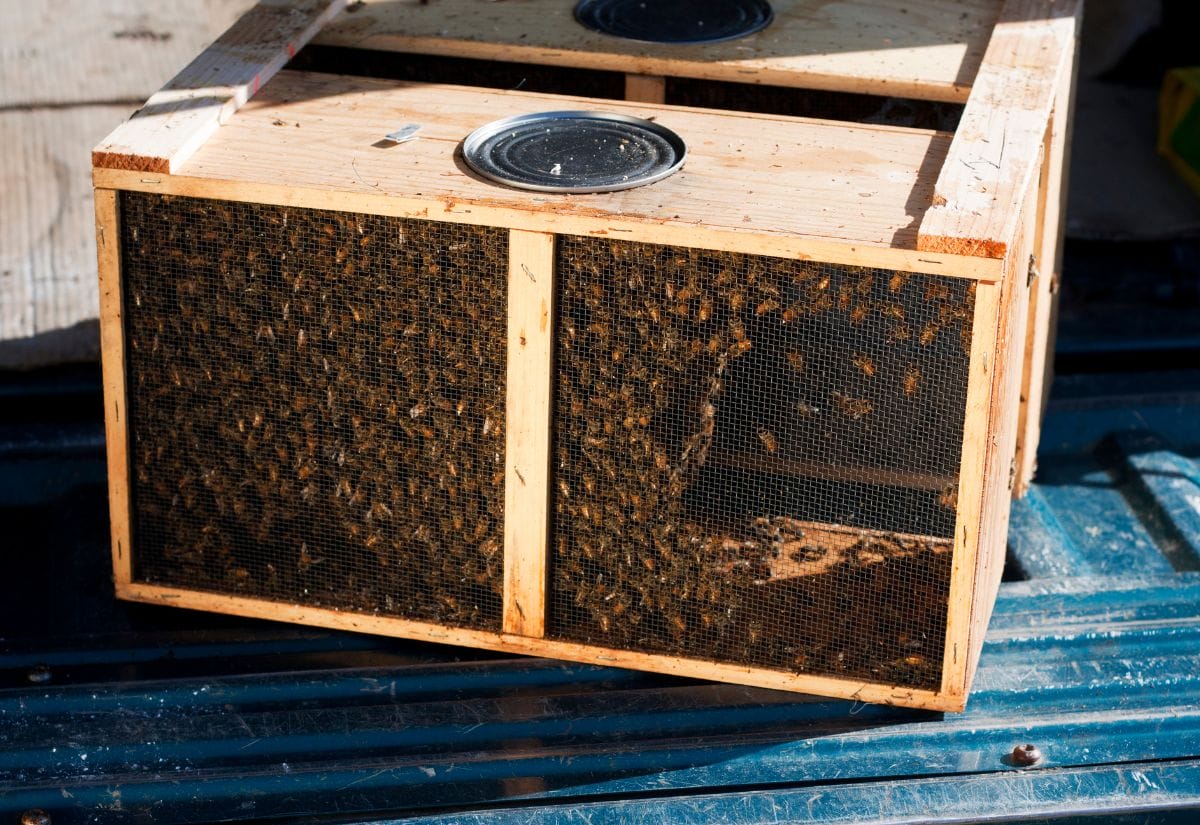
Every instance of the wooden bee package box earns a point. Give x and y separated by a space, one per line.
756 421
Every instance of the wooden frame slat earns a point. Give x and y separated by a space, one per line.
178 119
986 174
989 455
112 348
645 88
527 437
570 651
975 447
1043 310
614 225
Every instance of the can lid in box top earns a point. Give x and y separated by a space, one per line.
680 22
574 151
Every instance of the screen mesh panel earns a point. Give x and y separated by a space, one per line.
756 459
316 404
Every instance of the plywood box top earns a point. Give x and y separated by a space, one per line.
748 175
928 49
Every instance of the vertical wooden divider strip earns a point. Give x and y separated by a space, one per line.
527 445
975 449
645 88
112 347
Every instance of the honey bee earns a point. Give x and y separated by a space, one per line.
912 381
855 408
864 363
935 291
897 282
845 296
929 333
948 497
769 305
768 440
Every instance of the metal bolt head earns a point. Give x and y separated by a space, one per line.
39 674
35 816
1026 755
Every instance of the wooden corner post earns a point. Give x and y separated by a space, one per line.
112 347
1048 252
527 446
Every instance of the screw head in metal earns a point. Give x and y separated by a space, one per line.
1026 755
39 674
35 816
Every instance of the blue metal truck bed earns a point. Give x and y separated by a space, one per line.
127 713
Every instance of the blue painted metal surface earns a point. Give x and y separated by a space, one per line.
1094 656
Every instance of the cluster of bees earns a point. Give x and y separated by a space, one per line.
317 405
678 369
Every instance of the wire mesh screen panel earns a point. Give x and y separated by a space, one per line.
756 459
316 405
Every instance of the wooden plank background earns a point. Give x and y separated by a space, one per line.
72 70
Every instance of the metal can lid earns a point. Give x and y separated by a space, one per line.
574 151
681 22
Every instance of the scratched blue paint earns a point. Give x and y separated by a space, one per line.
1166 485
1150 793
1096 517
1040 542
